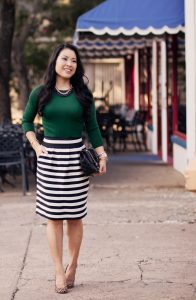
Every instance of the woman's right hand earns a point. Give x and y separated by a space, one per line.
39 150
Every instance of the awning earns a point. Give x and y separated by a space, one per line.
110 46
129 17
116 27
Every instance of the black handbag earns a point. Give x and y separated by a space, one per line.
89 161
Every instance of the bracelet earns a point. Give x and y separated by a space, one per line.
103 155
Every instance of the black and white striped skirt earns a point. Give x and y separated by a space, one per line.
62 188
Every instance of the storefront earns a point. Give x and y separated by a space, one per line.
149 36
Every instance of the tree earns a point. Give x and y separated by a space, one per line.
28 19
7 24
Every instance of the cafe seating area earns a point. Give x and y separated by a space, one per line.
123 132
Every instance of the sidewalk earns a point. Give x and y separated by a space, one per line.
139 239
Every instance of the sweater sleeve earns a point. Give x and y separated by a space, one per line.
30 111
92 128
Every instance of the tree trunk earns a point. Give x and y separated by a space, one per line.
7 17
21 72
19 64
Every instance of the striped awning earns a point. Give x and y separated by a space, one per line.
110 46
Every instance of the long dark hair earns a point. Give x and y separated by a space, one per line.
81 89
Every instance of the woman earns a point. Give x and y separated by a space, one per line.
66 105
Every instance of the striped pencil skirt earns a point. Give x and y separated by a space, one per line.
62 188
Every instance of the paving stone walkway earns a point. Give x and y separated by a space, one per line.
139 239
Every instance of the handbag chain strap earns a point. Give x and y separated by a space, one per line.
92 156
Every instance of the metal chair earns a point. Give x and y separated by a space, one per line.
136 129
119 133
12 153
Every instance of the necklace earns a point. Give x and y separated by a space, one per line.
64 93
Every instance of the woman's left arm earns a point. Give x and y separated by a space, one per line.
96 140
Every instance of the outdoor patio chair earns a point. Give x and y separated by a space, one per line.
136 128
119 133
12 154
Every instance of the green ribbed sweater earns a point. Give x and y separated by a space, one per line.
62 118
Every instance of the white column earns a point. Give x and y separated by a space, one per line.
164 117
136 79
123 81
154 98
190 46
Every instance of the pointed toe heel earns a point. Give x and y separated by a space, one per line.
63 290
70 282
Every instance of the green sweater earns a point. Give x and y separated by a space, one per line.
62 117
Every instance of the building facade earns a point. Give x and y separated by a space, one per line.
159 67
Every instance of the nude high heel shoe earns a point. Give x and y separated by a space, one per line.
63 290
70 281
